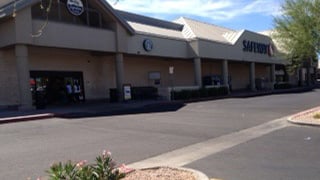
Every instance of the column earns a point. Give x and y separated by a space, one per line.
197 71
119 75
252 77
22 64
225 73
273 75
309 72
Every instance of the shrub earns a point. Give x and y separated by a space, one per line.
317 116
282 86
144 92
199 93
104 168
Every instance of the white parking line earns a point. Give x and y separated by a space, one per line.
189 154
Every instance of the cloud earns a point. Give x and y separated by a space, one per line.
219 10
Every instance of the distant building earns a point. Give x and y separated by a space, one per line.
99 48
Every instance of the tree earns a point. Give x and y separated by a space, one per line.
298 31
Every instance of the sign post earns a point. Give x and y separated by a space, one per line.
127 92
171 72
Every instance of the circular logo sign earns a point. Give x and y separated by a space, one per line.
75 7
147 45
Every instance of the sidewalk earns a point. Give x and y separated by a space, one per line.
104 108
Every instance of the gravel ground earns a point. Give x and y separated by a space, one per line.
163 173
307 117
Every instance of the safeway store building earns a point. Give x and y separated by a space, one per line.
91 44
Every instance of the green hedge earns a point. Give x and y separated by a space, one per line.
144 92
282 86
199 93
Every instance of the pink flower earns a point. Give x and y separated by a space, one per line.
106 153
39 178
125 169
80 164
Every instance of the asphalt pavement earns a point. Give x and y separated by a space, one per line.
289 154
28 148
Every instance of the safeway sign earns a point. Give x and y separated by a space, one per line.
75 7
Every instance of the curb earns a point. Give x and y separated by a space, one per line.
293 119
26 118
200 175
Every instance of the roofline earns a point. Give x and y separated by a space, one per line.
8 10
119 18
133 17
207 23
257 33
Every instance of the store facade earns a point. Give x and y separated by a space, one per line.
91 45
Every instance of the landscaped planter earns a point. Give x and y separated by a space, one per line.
166 173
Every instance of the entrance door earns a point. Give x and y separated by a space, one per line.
50 87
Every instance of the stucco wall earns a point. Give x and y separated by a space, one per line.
136 71
263 71
210 49
98 72
9 93
239 73
211 67
7 32
161 47
75 37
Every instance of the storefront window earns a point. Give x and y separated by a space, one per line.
90 17
56 88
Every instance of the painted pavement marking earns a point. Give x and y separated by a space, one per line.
189 154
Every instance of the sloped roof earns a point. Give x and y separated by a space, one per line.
8 7
155 30
151 26
276 42
199 30
5 2
131 17
183 28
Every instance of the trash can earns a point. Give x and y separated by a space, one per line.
113 92
40 100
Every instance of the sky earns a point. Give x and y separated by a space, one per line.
254 15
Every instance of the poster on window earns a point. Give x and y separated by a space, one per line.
127 92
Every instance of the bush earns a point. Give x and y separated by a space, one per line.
317 116
104 168
282 86
144 92
199 93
